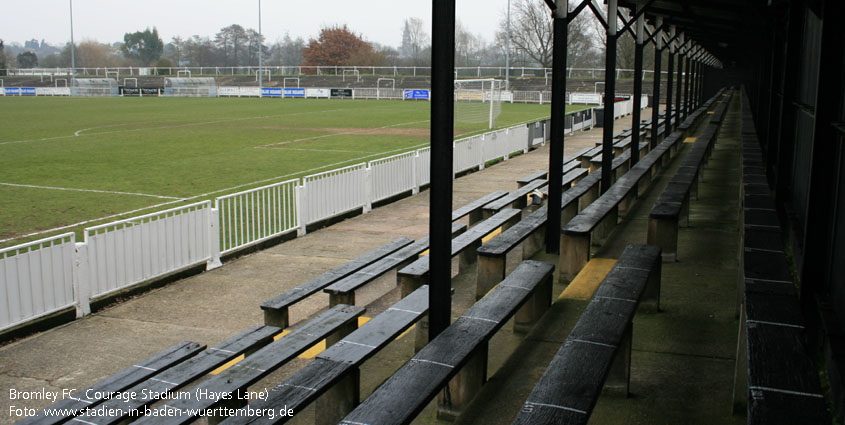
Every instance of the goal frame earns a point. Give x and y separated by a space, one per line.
491 118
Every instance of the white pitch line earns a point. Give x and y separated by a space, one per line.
323 136
113 192
321 150
78 132
163 127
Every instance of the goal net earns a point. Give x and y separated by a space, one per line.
478 103
190 87
94 87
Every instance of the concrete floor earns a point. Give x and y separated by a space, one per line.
683 358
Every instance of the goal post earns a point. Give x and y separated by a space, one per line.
478 101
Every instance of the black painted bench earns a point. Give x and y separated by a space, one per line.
529 233
233 382
473 209
775 373
537 175
671 209
120 381
456 360
276 309
172 379
464 246
332 379
597 353
343 291
516 199
576 236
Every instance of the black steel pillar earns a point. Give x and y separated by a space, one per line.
442 133
693 80
679 89
671 70
786 117
559 43
638 88
688 86
609 98
775 98
818 258
658 56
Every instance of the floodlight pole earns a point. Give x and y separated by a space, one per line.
72 48
260 71
508 51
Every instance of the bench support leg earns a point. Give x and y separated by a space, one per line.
341 332
345 298
339 400
608 223
651 294
539 302
278 318
664 233
574 255
468 258
408 284
421 333
568 213
533 243
588 197
460 391
619 376
491 271
475 217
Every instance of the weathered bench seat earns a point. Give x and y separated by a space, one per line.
473 209
516 199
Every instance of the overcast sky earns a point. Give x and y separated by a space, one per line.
106 21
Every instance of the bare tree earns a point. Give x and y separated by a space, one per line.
531 35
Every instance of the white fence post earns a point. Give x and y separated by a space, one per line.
214 239
81 280
416 188
368 190
300 214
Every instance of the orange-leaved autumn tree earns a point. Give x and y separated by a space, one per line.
339 46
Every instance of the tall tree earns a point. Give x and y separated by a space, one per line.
27 60
2 58
232 41
335 46
144 46
287 51
255 41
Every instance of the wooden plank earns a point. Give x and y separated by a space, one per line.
176 377
477 204
531 177
333 364
117 382
256 366
314 285
512 197
373 271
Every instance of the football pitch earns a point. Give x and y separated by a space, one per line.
83 161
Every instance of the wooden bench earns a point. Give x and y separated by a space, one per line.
576 236
537 175
672 207
120 381
776 378
276 309
529 233
473 209
332 379
569 178
457 358
343 291
597 353
464 246
576 155
516 199
233 382
172 379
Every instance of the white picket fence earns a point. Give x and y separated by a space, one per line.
53 274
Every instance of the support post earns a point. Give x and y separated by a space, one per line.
442 151
561 24
786 133
658 56
638 88
679 88
670 69
609 98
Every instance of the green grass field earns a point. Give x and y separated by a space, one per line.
65 161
